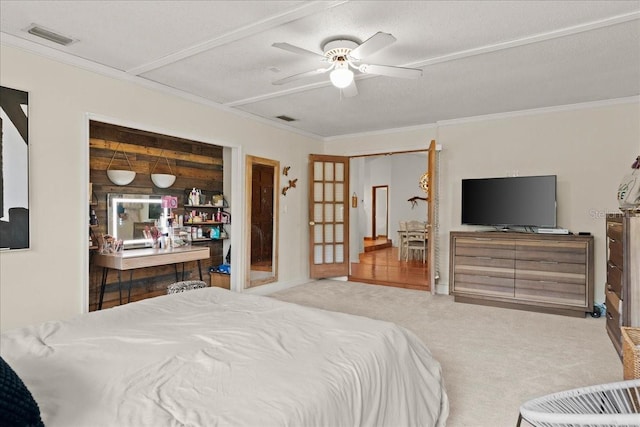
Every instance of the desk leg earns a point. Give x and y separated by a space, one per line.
200 269
130 283
182 271
175 268
103 284
120 286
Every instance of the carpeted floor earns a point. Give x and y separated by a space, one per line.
493 359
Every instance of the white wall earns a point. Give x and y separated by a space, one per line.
407 170
377 171
48 281
589 148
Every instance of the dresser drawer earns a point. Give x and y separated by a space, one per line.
613 315
614 230
614 279
552 251
552 291
493 283
615 253
484 248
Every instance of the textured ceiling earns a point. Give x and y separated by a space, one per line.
477 57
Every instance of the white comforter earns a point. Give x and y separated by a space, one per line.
211 357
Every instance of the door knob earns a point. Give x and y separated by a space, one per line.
312 223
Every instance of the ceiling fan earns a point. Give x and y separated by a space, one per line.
344 55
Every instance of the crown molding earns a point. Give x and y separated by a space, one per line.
496 116
543 110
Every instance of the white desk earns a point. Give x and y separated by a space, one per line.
132 259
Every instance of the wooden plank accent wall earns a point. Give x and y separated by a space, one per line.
195 164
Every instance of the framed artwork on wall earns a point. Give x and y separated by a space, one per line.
14 169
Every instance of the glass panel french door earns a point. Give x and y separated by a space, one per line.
328 216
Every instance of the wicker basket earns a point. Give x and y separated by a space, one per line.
631 352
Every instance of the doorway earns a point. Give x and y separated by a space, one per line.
380 212
406 201
262 220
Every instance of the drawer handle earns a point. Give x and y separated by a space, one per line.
546 281
612 240
609 316
486 239
548 262
484 257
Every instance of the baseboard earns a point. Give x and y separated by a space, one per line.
275 287
442 288
521 306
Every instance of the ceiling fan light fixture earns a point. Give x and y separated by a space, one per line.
342 76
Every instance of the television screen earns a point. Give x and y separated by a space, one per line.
528 201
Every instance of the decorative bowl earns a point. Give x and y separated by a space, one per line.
121 177
163 180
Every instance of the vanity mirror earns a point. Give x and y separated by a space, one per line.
128 214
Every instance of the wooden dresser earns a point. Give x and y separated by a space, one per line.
547 273
622 291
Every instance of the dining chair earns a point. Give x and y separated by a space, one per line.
416 241
402 235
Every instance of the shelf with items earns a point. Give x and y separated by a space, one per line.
204 207
204 223
203 232
197 198
206 212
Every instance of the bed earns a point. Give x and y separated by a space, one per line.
211 357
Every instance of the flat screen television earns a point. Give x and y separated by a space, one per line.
526 201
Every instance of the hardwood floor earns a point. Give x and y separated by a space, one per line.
382 267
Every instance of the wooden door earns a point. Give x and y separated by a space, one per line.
432 215
328 216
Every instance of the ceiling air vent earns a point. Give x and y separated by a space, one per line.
39 31
286 118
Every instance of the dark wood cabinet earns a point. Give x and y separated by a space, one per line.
622 290
548 273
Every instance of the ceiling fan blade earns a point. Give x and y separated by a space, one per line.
388 70
350 91
373 44
295 49
301 76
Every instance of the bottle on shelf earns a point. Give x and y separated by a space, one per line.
194 197
93 218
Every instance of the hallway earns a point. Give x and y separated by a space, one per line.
382 267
